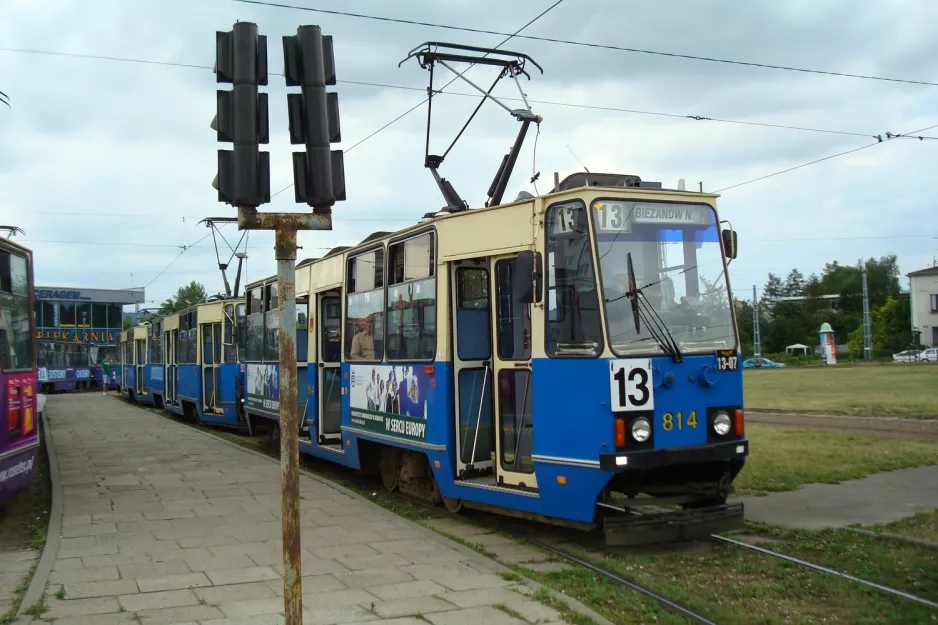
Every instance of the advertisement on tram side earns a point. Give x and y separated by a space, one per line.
19 440
390 399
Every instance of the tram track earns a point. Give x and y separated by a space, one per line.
487 521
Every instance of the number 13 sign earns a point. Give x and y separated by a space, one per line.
630 385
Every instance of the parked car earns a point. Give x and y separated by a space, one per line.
929 354
907 356
761 363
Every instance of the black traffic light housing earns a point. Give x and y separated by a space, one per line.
244 172
318 173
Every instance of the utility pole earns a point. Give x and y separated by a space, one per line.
243 181
756 336
867 326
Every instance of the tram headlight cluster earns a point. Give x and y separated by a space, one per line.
641 430
721 424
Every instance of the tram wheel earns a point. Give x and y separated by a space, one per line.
453 505
390 466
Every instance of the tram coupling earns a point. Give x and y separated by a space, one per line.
626 527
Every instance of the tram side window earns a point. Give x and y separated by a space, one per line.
76 356
187 342
156 343
513 327
234 332
271 323
573 324
411 300
473 338
254 325
302 331
16 337
364 315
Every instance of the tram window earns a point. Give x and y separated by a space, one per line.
573 324
16 336
76 356
517 420
411 300
473 327
271 324
302 331
364 308
156 343
513 318
254 326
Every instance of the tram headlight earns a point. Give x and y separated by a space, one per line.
721 424
641 430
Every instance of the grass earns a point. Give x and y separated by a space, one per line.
729 584
783 459
923 526
888 390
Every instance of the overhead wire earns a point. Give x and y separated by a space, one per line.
593 107
584 44
826 158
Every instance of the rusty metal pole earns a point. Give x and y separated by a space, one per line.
285 246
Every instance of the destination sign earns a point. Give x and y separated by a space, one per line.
676 214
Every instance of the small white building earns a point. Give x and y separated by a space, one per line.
923 291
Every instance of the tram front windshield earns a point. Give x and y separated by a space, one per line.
678 268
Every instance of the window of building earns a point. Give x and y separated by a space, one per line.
98 315
364 315
411 300
934 302
115 316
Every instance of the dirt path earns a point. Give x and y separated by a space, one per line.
918 429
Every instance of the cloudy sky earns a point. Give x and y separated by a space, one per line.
107 165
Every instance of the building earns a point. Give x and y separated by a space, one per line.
82 316
923 287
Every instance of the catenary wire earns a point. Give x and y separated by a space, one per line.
826 158
586 44
593 107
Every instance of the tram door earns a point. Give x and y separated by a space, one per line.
211 367
169 351
329 363
140 347
472 366
511 364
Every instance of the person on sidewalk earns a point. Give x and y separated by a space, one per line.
106 368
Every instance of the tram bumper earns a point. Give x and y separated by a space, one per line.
629 529
653 458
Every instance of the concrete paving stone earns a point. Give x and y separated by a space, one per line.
433 571
165 515
10 580
146 506
411 607
100 574
68 564
80 607
216 595
192 553
273 605
241 576
406 590
345 551
382 561
261 619
18 566
87 590
158 600
120 618
247 549
480 597
215 540
219 563
144 526
18 556
173 582
318 584
337 598
185 615
115 517
153 569
400 534
81 552
373 577
78 519
463 582
334 616
81 542
519 556
534 611
474 616
187 531
434 556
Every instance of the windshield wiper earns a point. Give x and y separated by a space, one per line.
658 329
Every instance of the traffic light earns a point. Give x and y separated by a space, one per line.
243 177
319 173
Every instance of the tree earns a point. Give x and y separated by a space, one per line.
794 284
772 290
189 295
891 325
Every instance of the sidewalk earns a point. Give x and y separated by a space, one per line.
878 498
164 524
